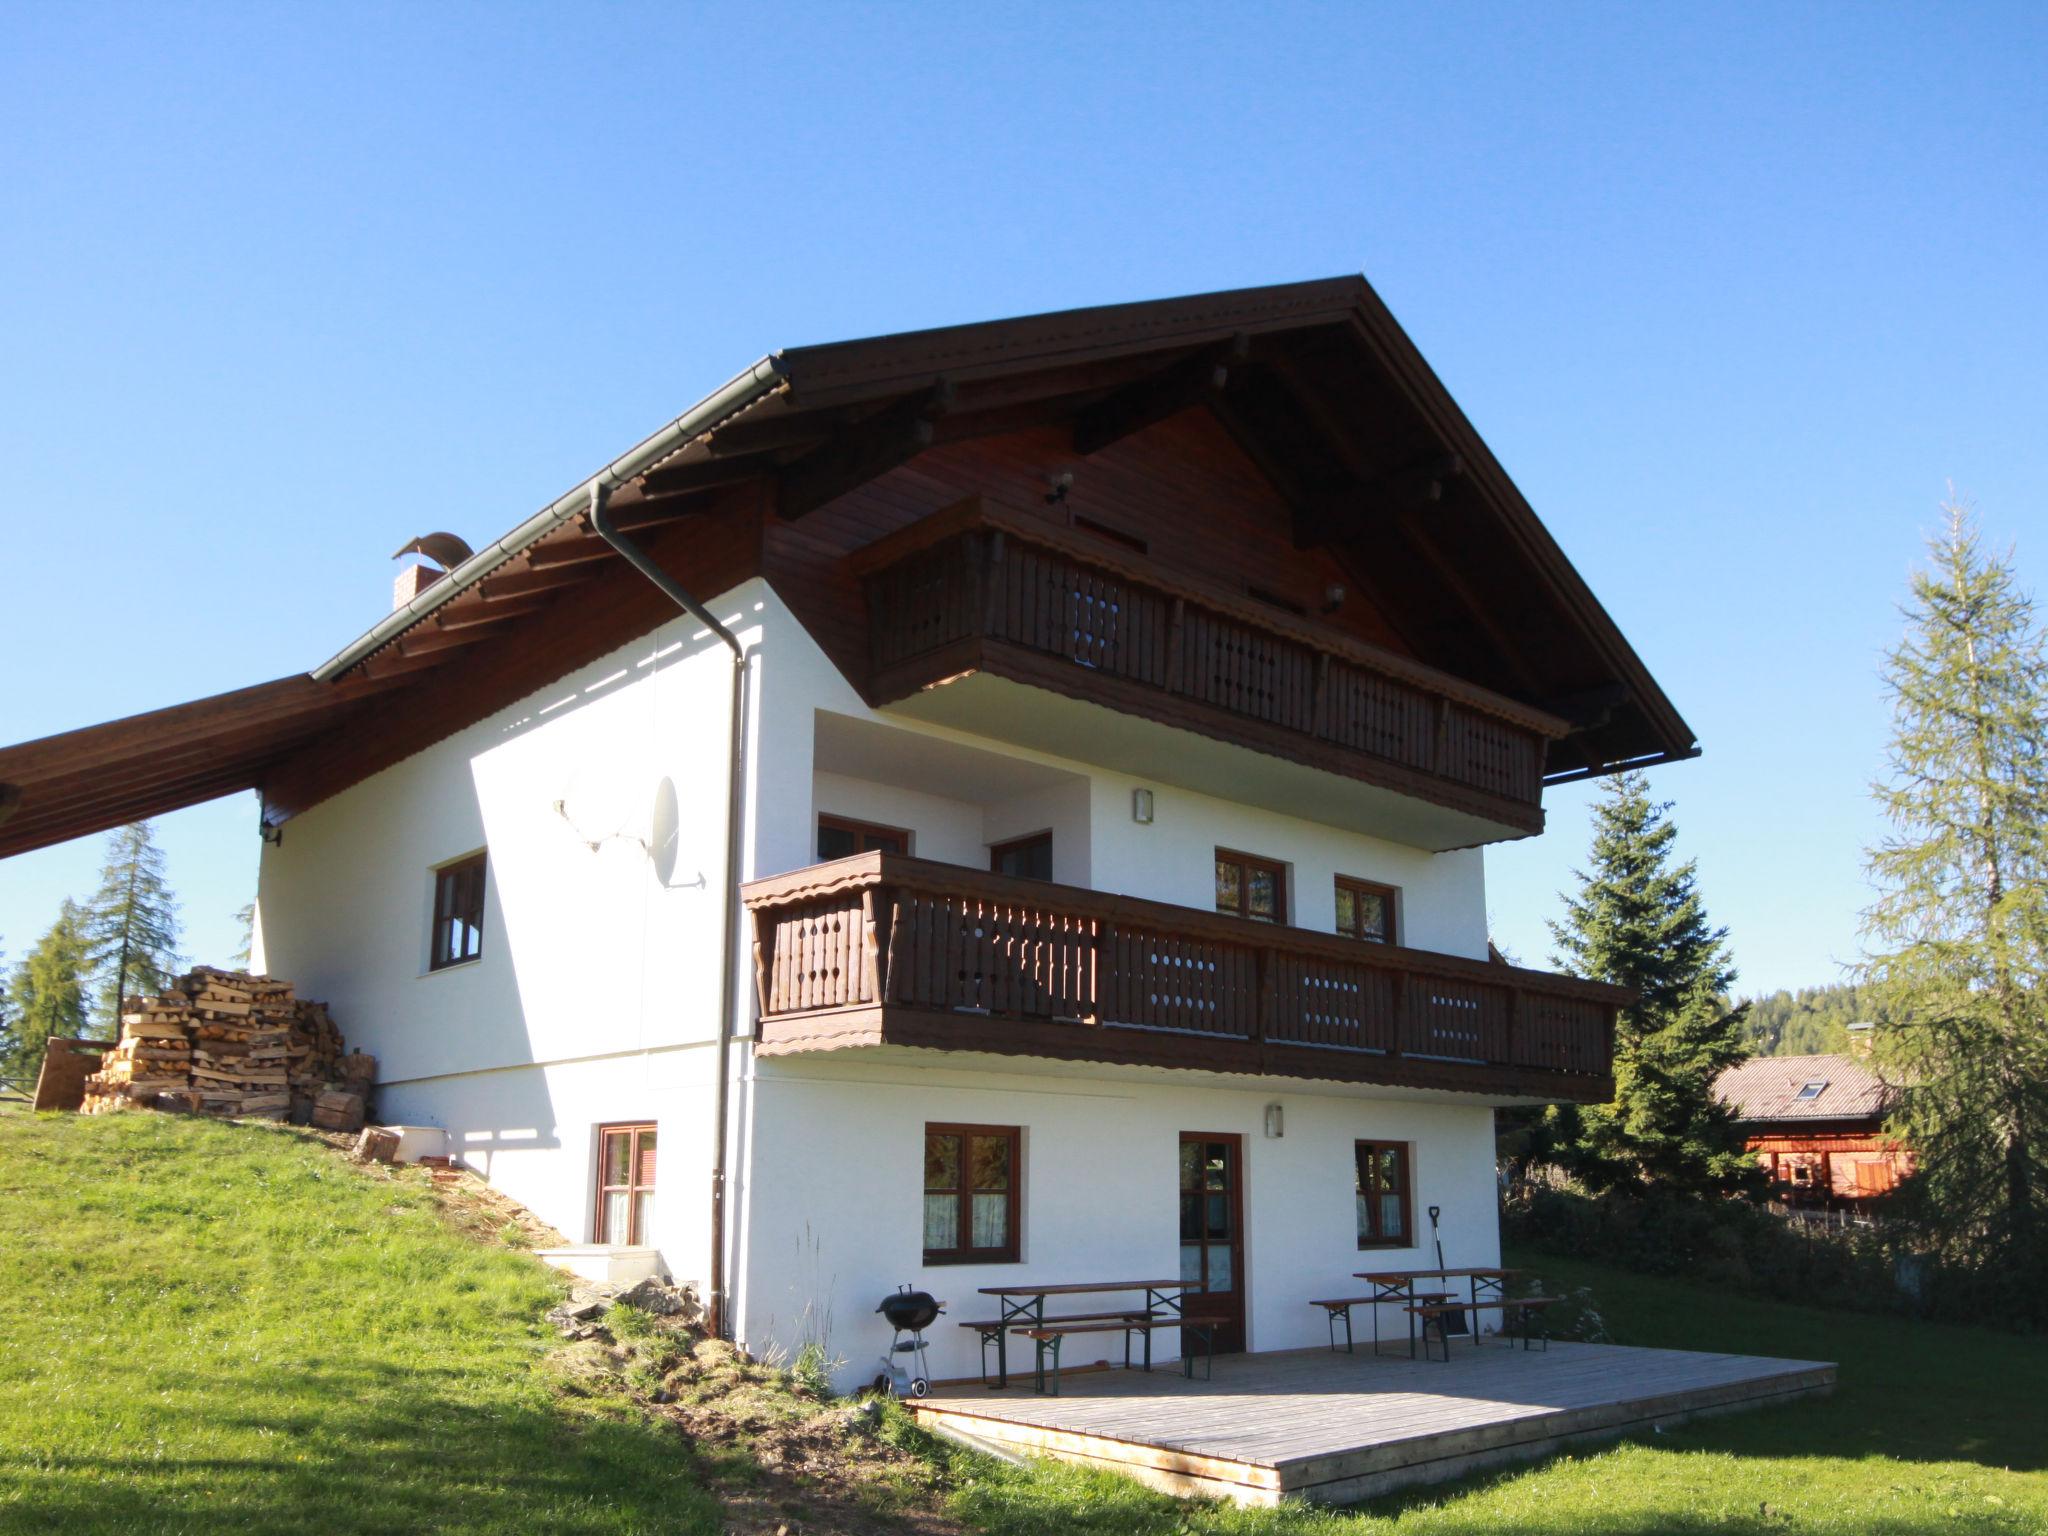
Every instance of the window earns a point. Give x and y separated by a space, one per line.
840 837
1812 1090
1383 1195
625 1184
1027 857
970 1193
1250 887
1365 910
1275 600
458 913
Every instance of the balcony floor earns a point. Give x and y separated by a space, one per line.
1337 1428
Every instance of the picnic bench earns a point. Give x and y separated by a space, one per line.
1486 1286
1525 1310
1021 1309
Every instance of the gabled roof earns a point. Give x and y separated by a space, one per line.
1767 1089
1315 381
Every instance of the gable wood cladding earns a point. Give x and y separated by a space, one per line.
1279 440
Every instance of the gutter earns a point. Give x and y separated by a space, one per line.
602 524
742 390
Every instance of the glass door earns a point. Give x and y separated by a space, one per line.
1212 1234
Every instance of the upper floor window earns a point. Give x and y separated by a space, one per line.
1028 857
841 837
1365 910
1251 887
458 913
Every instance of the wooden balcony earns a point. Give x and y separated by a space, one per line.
880 949
984 590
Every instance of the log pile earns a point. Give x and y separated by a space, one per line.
228 1043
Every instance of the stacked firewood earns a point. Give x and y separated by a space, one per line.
228 1043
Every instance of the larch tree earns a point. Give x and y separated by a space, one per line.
1637 920
46 996
131 924
1957 938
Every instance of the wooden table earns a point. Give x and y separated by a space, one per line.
1398 1285
1023 1306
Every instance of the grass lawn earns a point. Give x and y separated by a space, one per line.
213 1328
1931 1429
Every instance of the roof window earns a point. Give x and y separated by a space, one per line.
1813 1090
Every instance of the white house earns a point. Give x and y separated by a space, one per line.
998 805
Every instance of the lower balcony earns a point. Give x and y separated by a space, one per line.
882 949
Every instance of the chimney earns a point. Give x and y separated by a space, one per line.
1859 1039
411 582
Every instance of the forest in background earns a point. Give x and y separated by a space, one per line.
1810 1022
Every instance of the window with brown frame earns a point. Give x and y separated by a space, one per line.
1027 857
1383 1178
841 837
1365 910
971 1179
458 913
1251 887
625 1184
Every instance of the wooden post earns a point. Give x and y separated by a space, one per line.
1176 663
1510 1044
1264 962
764 951
870 950
1319 710
892 950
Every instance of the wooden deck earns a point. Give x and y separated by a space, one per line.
1335 1428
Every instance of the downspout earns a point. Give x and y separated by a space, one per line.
602 524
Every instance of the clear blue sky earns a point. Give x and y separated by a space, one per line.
1731 293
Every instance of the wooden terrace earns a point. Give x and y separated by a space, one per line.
1337 1428
885 949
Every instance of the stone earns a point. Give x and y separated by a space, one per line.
661 1299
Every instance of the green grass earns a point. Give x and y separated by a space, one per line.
1931 1429
224 1328
209 1328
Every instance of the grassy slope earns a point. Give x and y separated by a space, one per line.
1932 1429
208 1327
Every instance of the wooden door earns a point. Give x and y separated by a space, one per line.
1212 1234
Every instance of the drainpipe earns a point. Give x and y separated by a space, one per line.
602 524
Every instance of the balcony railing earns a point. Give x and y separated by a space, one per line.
882 949
980 586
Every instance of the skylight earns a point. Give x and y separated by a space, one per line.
1813 1090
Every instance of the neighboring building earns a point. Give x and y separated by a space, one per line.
1079 875
1816 1123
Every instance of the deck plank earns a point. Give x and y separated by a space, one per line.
1336 1427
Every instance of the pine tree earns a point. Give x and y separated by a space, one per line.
1638 921
131 924
245 921
46 996
1958 935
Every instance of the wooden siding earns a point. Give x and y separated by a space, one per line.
988 587
882 949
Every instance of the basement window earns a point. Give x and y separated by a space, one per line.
458 934
625 1184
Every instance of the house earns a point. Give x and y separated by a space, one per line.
1817 1124
1001 803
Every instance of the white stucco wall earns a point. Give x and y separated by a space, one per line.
835 1191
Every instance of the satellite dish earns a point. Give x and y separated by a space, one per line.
444 549
665 831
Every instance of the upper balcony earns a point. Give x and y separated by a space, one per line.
1000 623
883 949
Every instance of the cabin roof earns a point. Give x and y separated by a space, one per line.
1315 381
1768 1089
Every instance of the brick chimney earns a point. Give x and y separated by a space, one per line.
411 582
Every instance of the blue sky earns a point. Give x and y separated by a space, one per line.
1732 292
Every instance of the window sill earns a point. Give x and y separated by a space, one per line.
452 967
934 1261
1386 1245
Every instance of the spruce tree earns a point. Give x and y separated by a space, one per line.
1638 921
47 996
245 922
1957 938
131 924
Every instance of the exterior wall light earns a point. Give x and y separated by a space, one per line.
1276 1122
1141 807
